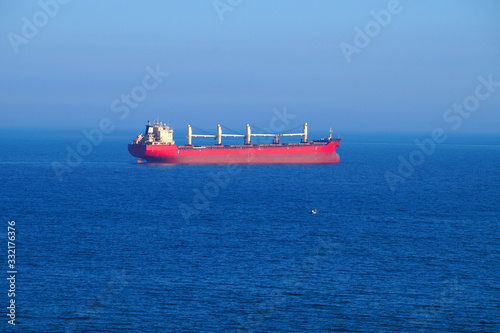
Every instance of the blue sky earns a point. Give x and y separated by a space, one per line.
263 56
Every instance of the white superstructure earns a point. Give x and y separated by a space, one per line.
157 133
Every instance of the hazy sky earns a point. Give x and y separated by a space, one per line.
233 62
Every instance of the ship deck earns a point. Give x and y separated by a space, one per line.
260 145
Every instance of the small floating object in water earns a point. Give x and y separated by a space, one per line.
313 211
140 160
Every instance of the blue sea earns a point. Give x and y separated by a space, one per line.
109 245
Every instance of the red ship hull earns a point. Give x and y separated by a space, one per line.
292 153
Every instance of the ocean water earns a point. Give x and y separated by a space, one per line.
116 246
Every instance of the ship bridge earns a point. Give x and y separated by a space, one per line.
156 133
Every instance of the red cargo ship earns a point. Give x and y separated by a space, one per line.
156 145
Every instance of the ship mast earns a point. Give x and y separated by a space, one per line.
190 134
